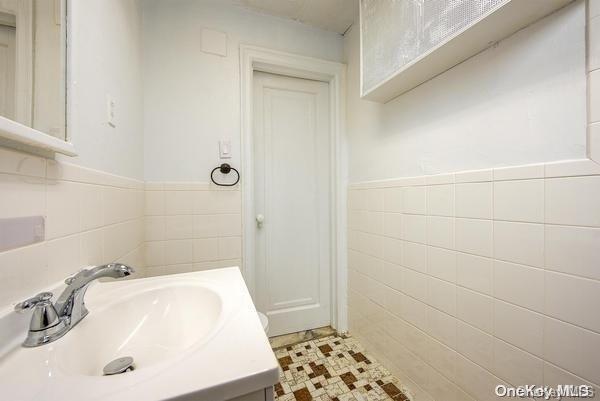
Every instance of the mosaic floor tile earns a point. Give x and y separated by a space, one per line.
333 368
295 338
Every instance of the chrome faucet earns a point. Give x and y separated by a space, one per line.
50 321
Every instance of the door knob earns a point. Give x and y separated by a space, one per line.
259 220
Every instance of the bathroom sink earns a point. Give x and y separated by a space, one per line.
182 331
151 325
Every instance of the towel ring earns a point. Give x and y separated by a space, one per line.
224 169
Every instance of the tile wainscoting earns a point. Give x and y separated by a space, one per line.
92 218
463 281
191 226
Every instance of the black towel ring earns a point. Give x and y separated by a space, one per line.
225 169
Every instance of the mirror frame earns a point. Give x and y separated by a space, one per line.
19 135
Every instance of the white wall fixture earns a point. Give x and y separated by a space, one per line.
406 43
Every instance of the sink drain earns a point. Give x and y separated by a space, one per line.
118 366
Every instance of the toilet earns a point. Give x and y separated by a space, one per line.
264 320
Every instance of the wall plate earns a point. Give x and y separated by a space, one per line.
21 231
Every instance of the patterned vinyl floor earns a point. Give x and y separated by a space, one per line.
333 368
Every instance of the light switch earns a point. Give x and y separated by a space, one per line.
110 111
225 149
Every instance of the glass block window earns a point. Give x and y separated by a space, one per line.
394 33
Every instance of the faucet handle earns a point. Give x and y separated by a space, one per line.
30 303
45 325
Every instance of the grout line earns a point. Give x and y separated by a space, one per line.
193 238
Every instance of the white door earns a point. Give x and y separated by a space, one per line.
7 71
292 201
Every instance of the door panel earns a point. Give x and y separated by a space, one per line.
292 153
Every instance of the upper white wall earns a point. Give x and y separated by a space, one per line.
522 101
105 50
192 99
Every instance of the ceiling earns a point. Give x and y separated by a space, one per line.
331 15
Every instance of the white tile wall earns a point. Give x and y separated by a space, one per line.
475 344
593 69
519 284
474 236
196 226
529 337
440 200
474 200
519 200
519 242
91 218
474 272
515 365
441 263
488 277
574 250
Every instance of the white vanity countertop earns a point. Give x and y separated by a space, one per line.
221 354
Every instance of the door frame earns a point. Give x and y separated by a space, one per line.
253 58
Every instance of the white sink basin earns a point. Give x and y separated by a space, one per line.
152 325
189 334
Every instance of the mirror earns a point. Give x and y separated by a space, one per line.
33 64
